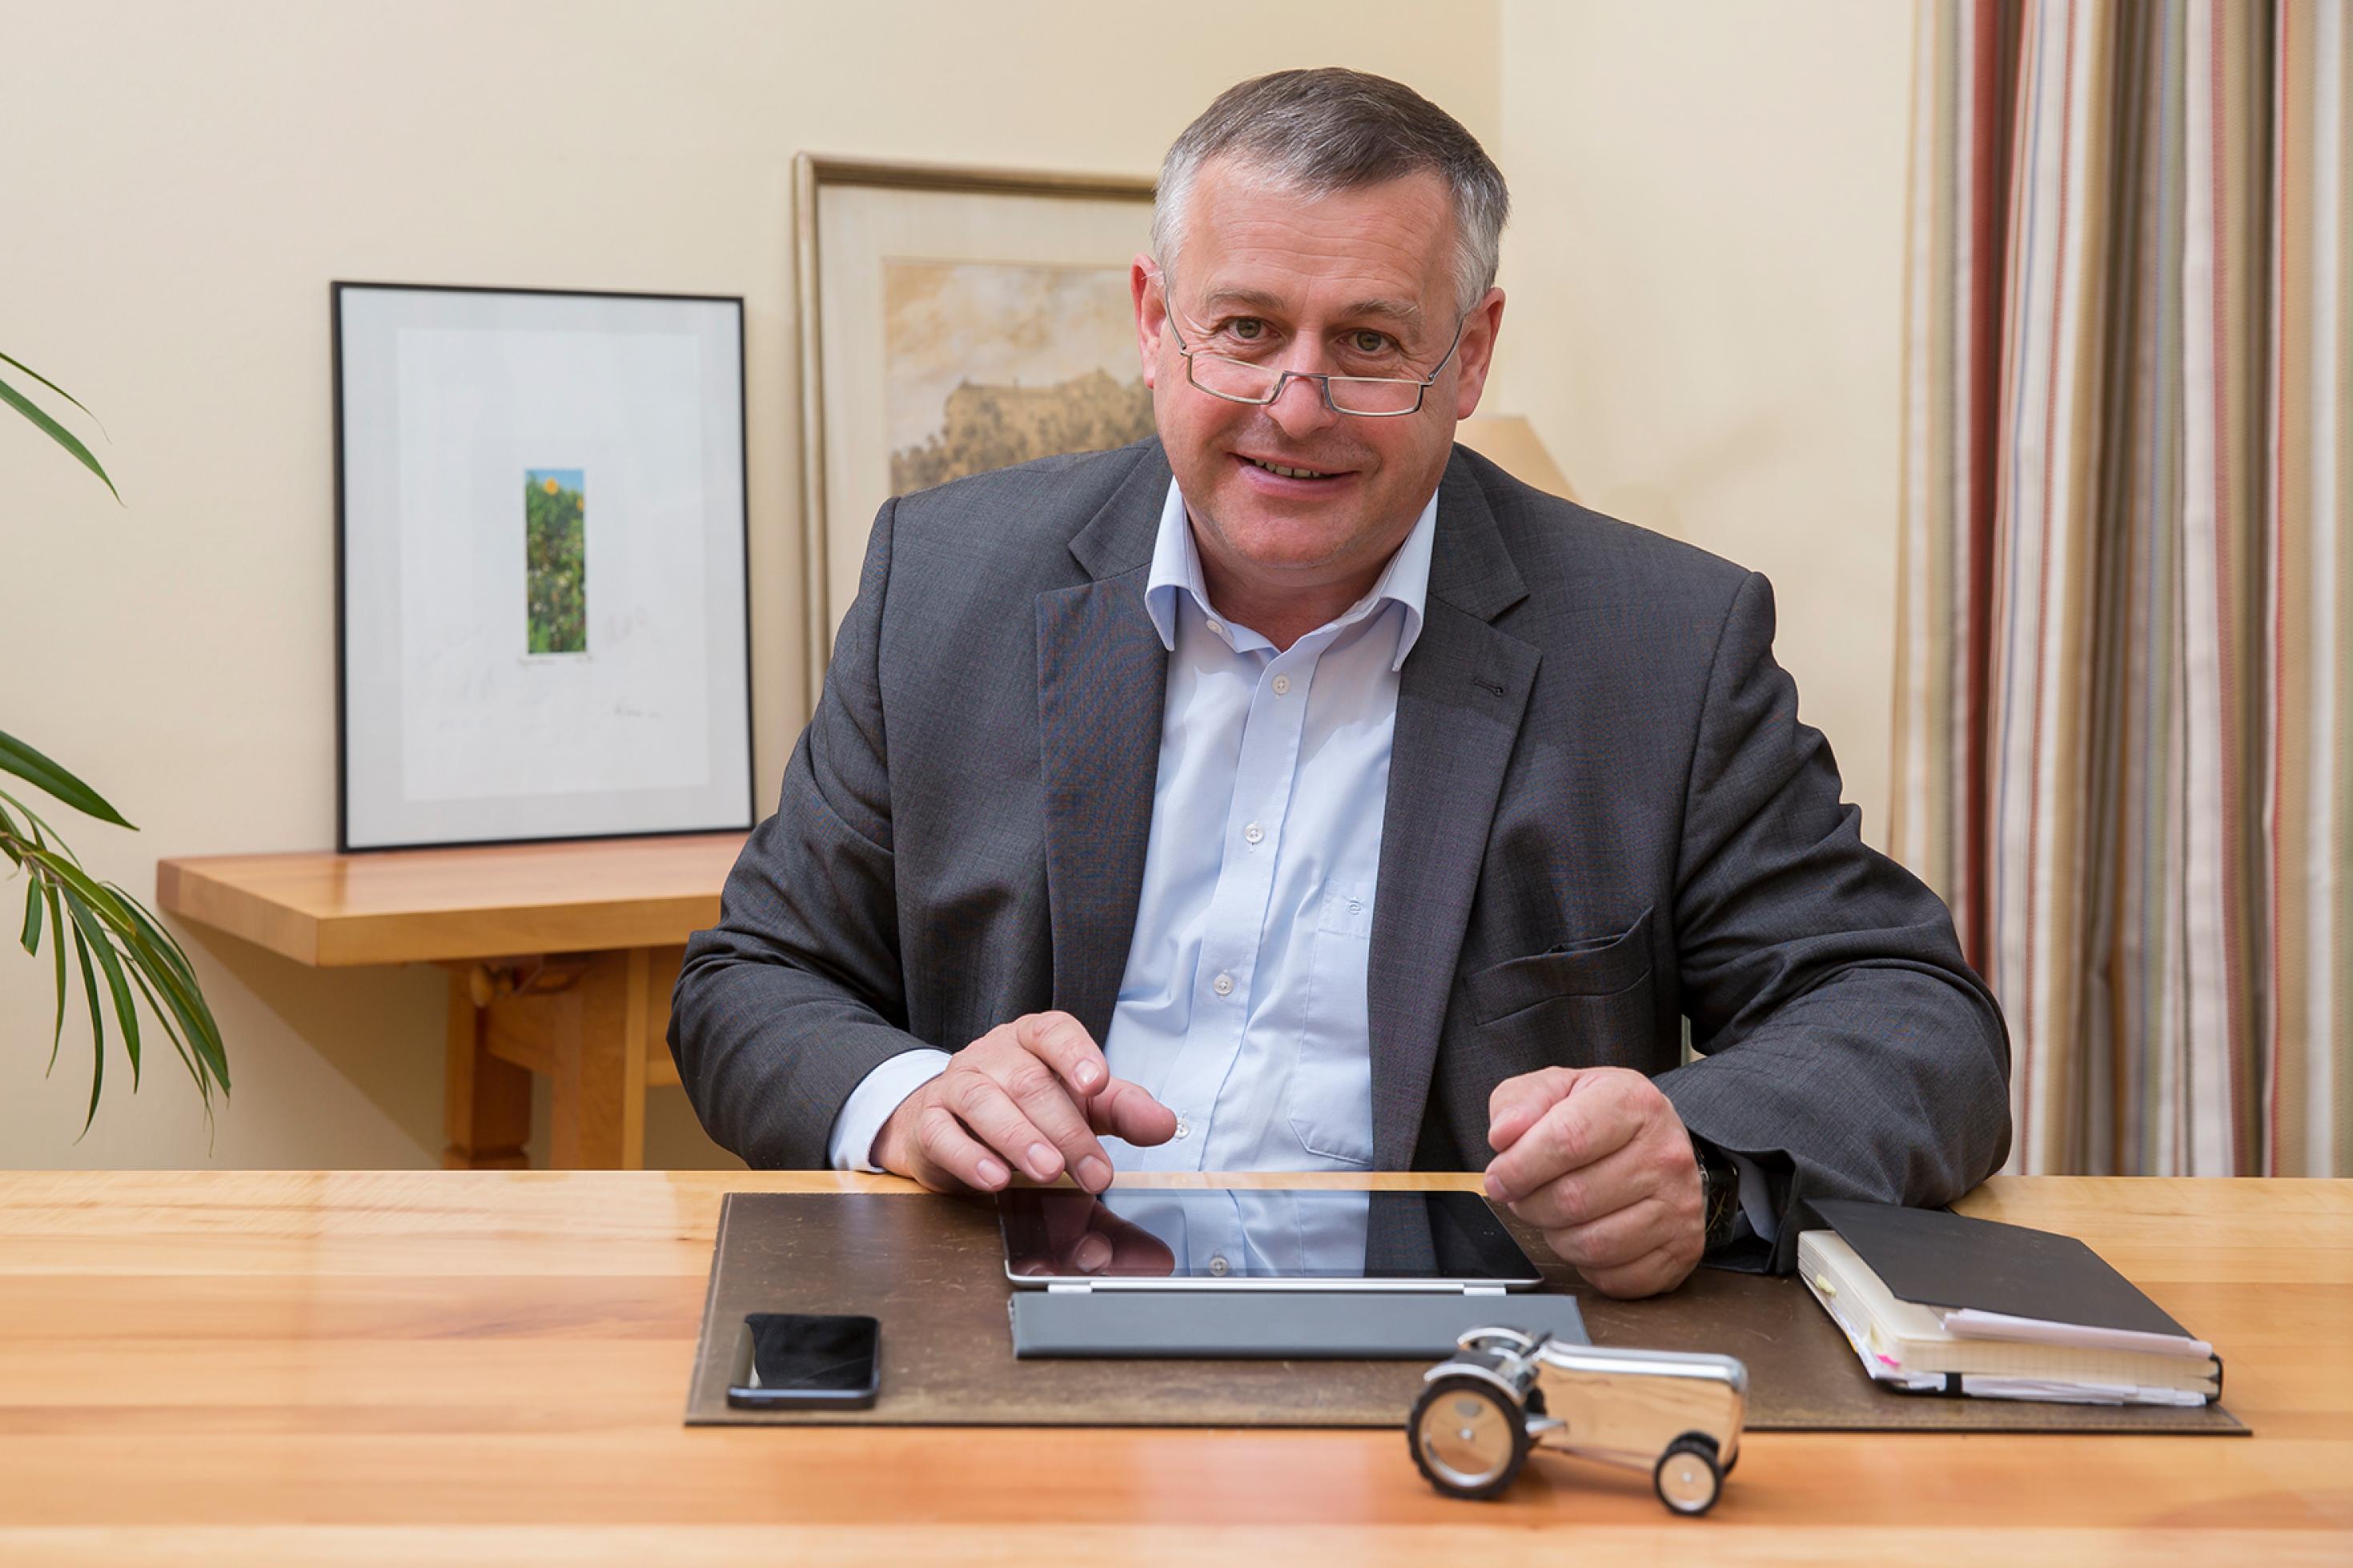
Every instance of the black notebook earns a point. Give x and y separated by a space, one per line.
1949 1260
1937 1302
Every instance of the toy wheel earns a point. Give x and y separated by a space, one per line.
1688 1478
1468 1438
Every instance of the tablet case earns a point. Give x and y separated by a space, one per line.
1258 1325
932 1270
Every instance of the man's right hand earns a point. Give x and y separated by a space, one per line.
1029 1096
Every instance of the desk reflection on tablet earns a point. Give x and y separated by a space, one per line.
1257 1232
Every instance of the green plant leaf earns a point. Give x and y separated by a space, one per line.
26 764
120 917
171 1031
133 949
42 831
67 874
41 887
159 956
57 948
53 386
60 434
151 948
97 1030
85 897
126 1012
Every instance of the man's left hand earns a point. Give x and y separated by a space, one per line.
1596 1158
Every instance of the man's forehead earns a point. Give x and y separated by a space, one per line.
1362 251
1238 178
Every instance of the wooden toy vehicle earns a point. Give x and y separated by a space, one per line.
1503 1393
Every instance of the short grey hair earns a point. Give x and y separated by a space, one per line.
1318 131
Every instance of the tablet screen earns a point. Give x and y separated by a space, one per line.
1206 1236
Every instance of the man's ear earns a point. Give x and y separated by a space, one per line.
1149 289
1477 353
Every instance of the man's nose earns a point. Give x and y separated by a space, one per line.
1299 409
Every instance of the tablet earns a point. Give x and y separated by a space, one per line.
1240 1238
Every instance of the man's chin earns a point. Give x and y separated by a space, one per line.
1286 530
1287 548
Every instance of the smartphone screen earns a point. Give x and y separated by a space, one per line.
787 1361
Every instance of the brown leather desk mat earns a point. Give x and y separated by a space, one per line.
933 1271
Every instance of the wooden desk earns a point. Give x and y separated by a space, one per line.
561 960
445 1366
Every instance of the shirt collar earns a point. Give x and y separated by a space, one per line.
1176 565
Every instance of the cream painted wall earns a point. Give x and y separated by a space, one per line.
182 183
1704 271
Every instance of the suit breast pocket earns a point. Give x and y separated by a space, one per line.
1580 1003
1330 1098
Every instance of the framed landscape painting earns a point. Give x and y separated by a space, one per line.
540 612
953 321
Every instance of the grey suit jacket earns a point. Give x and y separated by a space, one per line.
1603 818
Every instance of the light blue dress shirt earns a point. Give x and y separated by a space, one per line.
1243 1006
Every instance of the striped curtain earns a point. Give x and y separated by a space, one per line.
2124 682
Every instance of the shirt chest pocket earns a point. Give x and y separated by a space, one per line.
1330 1095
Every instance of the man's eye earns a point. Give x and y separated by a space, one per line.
1368 341
1250 329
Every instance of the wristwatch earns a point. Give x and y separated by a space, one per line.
1719 1192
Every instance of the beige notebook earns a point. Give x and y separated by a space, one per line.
1907 1344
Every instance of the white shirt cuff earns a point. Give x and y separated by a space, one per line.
1756 1198
850 1145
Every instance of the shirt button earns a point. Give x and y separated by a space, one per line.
1283 686
1184 1127
1218 1266
1253 832
1223 986
1214 626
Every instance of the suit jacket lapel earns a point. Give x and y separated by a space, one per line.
1103 676
1459 701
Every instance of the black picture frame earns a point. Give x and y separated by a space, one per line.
741 815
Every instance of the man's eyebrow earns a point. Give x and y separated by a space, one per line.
1249 299
1404 310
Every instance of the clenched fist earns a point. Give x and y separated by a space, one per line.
1597 1160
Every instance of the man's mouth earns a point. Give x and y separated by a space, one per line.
1287 470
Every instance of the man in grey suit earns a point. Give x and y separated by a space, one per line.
1299 791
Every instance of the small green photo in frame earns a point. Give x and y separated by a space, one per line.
555 567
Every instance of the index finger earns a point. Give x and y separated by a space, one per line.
1062 1042
1579 1130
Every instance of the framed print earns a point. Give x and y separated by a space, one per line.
542 611
953 321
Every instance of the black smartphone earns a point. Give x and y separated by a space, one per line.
804 1361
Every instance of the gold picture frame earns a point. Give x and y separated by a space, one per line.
895 261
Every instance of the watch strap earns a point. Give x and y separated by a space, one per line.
1719 1183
